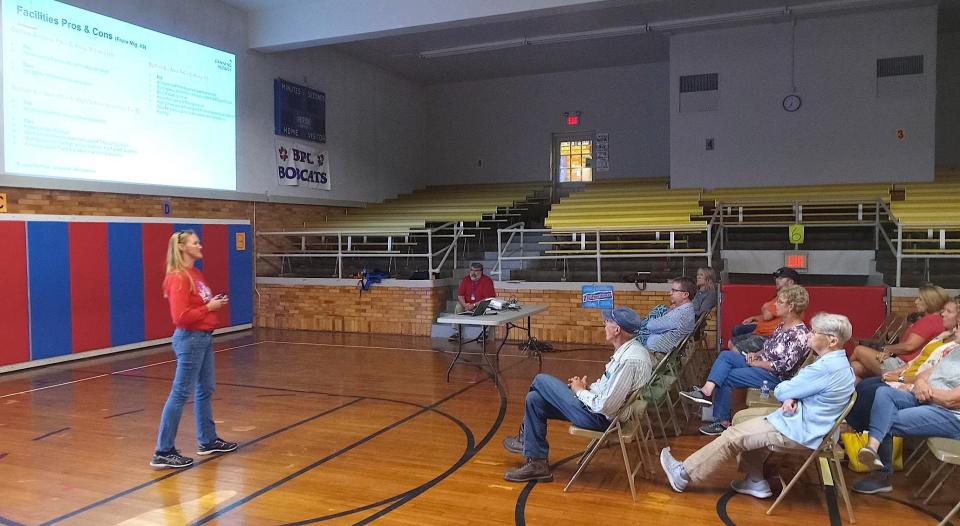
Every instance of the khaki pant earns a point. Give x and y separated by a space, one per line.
749 440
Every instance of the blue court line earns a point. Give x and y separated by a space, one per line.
126 413
175 473
9 522
41 437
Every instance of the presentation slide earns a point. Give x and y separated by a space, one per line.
89 97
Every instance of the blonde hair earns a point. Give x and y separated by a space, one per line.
175 262
933 297
795 295
709 277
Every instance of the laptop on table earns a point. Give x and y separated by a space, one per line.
479 310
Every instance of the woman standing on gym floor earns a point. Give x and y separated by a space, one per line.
193 308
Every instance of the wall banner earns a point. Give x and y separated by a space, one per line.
597 296
302 164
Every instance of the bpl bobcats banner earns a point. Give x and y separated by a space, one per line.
302 164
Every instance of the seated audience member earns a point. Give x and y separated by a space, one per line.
869 362
590 407
930 407
813 400
666 331
781 357
932 353
474 288
749 336
706 298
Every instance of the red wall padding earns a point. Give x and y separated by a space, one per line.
14 310
89 287
865 306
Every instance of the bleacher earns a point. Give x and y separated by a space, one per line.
928 217
834 204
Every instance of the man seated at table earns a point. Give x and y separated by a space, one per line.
679 320
590 407
812 401
474 288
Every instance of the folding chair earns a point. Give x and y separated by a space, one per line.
657 392
830 454
945 450
628 427
753 394
953 512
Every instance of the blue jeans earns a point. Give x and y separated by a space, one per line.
897 412
729 372
859 417
195 372
743 329
550 397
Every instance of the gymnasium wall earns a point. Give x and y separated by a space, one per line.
375 120
948 100
75 284
507 123
844 131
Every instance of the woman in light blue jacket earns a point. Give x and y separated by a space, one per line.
811 403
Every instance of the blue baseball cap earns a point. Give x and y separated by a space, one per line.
625 317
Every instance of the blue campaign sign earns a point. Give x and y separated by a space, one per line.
597 296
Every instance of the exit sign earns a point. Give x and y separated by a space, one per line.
573 120
795 260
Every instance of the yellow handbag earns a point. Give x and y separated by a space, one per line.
852 442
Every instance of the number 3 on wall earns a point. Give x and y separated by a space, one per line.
901 135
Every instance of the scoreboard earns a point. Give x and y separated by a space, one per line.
299 111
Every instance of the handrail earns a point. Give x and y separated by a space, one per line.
498 268
345 244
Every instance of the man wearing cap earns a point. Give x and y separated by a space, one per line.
590 407
474 288
750 335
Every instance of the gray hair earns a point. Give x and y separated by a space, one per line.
833 324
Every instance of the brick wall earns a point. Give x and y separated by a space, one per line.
387 310
269 216
566 321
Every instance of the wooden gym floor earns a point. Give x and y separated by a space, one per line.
348 429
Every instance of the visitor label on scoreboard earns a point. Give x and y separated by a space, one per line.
302 164
597 296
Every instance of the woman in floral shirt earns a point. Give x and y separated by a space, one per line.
782 356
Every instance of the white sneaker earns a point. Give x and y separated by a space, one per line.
759 489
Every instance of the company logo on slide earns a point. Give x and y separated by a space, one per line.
283 153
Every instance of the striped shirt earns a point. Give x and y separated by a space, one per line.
629 368
667 330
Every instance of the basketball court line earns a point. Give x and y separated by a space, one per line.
409 349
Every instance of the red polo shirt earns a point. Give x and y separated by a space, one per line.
473 292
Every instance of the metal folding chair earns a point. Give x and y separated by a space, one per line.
631 425
829 454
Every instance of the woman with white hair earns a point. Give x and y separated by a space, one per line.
812 401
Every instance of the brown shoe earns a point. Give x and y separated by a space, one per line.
534 469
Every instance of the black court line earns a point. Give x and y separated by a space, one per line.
324 460
2 456
832 509
41 437
909 504
467 456
722 507
468 451
520 510
126 413
138 487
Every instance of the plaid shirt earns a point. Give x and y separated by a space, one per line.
786 349
629 368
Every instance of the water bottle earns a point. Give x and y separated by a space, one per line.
765 390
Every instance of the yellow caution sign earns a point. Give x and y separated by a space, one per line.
796 234
241 241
